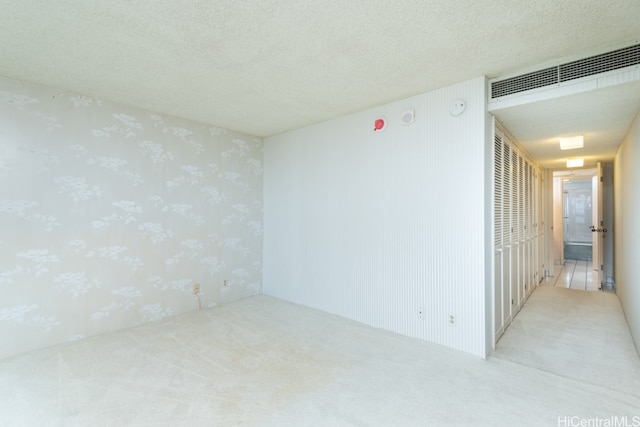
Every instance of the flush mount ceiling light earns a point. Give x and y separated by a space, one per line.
575 163
571 143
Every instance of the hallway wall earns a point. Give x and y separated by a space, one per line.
386 228
627 227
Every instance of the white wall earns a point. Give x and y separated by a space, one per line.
110 214
627 227
374 226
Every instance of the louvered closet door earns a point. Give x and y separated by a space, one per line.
540 232
527 229
517 194
532 231
522 241
521 227
498 217
507 232
537 225
515 232
534 227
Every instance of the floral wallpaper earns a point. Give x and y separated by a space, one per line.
111 214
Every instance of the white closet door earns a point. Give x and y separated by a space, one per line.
498 201
534 228
515 232
517 185
507 232
529 228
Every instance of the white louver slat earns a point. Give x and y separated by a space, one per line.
498 191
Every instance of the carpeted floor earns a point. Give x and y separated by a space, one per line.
265 362
574 334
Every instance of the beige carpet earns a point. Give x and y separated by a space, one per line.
264 362
574 334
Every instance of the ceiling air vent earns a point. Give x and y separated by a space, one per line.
621 58
600 63
529 81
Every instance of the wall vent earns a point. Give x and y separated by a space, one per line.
621 58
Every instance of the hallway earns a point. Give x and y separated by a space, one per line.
578 335
575 274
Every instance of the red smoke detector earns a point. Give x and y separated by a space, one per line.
379 125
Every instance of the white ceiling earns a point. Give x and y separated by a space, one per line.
601 116
268 66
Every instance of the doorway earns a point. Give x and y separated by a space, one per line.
578 228
577 208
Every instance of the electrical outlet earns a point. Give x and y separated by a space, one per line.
452 320
420 313
224 283
196 289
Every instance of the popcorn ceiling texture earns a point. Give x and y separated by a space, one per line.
110 214
271 66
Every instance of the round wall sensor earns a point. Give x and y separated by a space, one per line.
408 117
379 124
457 107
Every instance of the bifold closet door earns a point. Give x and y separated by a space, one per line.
522 254
504 257
534 228
498 216
529 228
515 232
517 197
540 228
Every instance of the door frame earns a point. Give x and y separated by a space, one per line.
556 225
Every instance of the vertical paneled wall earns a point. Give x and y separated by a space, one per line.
110 214
385 228
516 228
627 227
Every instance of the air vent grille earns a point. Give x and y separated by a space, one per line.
597 64
529 81
600 63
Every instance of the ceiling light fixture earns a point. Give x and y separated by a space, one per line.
575 163
571 143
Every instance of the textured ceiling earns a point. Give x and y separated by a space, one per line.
264 67
601 116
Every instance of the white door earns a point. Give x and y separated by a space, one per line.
598 230
499 269
508 241
557 227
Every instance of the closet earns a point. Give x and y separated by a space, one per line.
517 230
